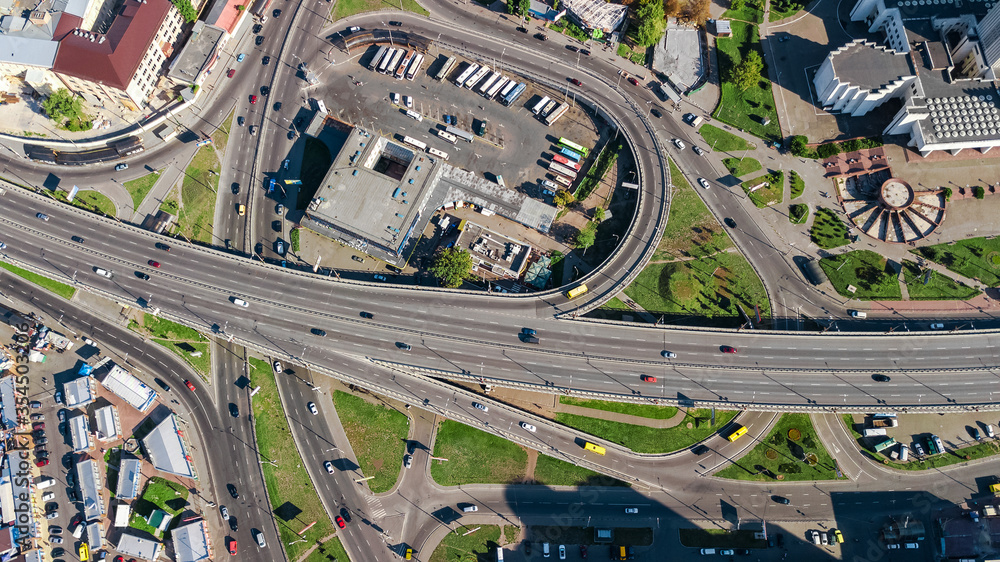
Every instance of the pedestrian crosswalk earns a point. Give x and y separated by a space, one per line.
375 507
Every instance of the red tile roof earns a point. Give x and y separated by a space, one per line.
114 61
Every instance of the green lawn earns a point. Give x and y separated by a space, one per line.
690 223
139 187
750 12
63 290
747 109
741 167
615 304
220 137
936 287
294 236
720 140
641 410
709 287
287 483
828 230
95 201
625 52
768 195
377 434
346 8
550 471
479 544
785 455
798 213
643 439
975 258
475 457
784 9
870 273
198 194
330 551
184 341
161 494
797 184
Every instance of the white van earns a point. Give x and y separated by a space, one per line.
470 508
545 550
103 272
414 115
859 314
78 530
904 452
44 482
707 551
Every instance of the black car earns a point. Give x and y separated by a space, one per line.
234 410
395 23
367 315
299 121
259 40
77 239
781 499
164 247
265 90
540 36
781 540
656 112
276 13
161 384
880 378
240 121
585 52
700 450
142 275
277 106
266 60
236 188
256 28
523 29
233 525
232 491
318 332
572 48
291 135
730 222
62 415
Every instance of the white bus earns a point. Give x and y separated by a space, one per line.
414 115
446 69
477 77
466 74
511 84
411 72
486 84
447 136
415 143
555 115
496 87
540 105
401 71
378 57
384 63
439 153
394 61
548 109
562 181
558 168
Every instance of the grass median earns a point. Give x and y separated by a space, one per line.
690 224
931 285
551 471
63 290
377 434
331 550
294 500
720 140
467 544
791 452
741 166
186 342
139 188
198 195
347 8
871 275
642 439
766 190
641 410
475 457
975 258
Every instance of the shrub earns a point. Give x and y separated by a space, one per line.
828 150
979 192
947 194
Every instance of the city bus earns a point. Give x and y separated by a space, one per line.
516 93
439 153
562 181
445 135
382 64
510 85
497 86
459 133
446 69
411 72
471 82
466 74
415 143
558 168
735 434
563 141
595 448
486 84
548 108
566 162
575 292
401 71
378 57
555 115
569 154
394 61
540 105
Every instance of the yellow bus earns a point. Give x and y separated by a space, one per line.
595 448
740 431
573 293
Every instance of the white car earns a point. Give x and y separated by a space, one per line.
407 461
395 98
328 466
704 183
668 354
528 427
989 431
562 552
697 150
225 512
632 510
679 144
408 100
3 246
48 496
278 369
479 406
312 408
240 302
937 326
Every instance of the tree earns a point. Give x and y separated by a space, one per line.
746 74
512 6
671 8
652 22
798 145
696 11
563 198
186 9
585 238
525 7
452 266
63 104
599 214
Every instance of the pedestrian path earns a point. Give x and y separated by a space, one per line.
622 418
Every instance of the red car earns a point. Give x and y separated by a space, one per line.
647 378
576 82
154 263
340 522
253 99
189 385
119 559
38 426
231 73
232 546
727 349
633 81
42 462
